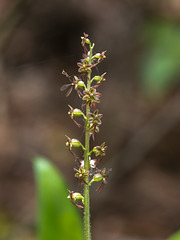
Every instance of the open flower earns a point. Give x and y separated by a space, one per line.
100 151
75 113
84 66
94 121
99 79
91 97
102 177
81 174
73 143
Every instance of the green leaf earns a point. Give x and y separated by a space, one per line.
175 236
57 217
160 65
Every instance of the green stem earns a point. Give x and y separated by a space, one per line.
87 225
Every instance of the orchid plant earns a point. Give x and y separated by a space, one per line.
86 86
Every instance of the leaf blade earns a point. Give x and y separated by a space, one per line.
57 217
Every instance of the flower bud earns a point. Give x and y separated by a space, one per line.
75 143
80 83
97 55
95 151
77 112
87 41
77 196
97 78
100 150
97 177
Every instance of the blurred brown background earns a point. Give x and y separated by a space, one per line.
140 103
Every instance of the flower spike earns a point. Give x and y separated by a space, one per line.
86 87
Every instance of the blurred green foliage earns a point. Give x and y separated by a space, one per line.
5 226
57 216
175 236
161 63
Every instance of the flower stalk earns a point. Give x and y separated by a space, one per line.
86 87
87 225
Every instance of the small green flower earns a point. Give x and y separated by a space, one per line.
98 57
102 177
85 39
81 174
84 66
75 113
78 83
73 143
97 177
94 122
99 79
91 97
74 196
100 150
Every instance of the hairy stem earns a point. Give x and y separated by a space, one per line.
87 225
